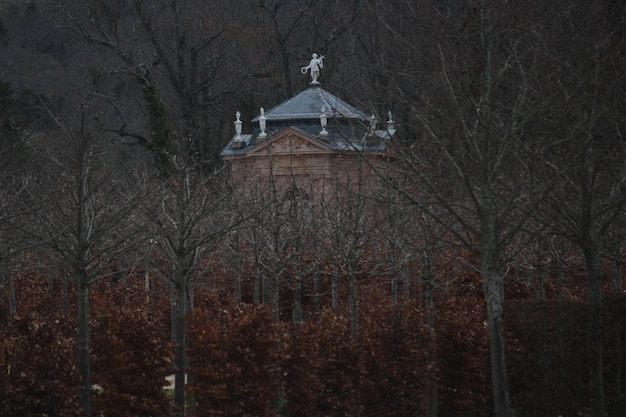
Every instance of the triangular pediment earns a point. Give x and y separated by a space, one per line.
291 141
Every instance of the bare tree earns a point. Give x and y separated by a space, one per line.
85 202
348 232
303 225
14 179
468 95
264 234
421 255
279 235
189 213
178 53
590 149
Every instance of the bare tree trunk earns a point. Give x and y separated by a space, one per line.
146 286
265 290
394 288
406 284
297 309
494 297
181 358
316 290
275 297
560 272
334 287
173 321
12 302
617 277
256 297
354 306
429 300
238 287
594 277
493 294
84 367
539 273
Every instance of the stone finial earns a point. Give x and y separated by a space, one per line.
238 125
390 123
323 121
238 142
262 123
315 65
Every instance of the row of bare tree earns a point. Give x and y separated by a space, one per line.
510 142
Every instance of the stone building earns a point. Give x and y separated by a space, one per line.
313 139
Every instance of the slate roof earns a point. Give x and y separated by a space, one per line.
347 126
308 105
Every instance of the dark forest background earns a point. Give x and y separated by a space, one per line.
480 273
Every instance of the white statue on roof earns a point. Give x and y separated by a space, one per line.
315 65
262 123
238 124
